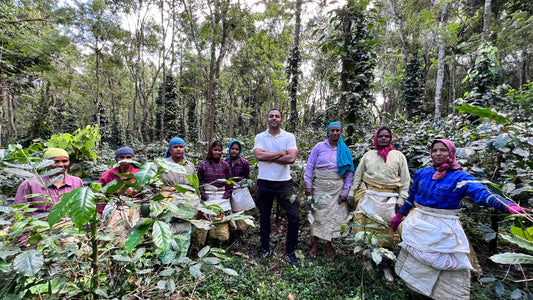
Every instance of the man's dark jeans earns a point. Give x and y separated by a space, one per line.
267 192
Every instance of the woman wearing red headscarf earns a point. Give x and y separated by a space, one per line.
435 255
382 181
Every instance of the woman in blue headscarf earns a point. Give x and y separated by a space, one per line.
241 199
331 164
240 167
176 154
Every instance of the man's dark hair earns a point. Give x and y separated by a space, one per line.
280 113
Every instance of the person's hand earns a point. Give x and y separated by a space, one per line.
341 199
397 207
395 222
309 191
130 192
515 209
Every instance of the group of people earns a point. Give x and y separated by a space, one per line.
435 259
435 253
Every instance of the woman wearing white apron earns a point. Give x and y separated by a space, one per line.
331 164
434 259
382 182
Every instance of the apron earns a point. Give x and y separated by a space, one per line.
434 259
327 215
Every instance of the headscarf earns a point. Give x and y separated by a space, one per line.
123 151
212 145
53 152
240 148
344 156
173 142
383 151
451 163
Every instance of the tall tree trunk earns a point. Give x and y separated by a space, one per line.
219 15
164 85
97 98
440 67
347 31
145 118
3 95
43 110
452 75
11 114
427 65
294 63
487 14
522 69
401 30
209 121
138 126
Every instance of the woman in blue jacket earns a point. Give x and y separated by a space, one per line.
435 255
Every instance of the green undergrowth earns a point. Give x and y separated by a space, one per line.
343 278
275 279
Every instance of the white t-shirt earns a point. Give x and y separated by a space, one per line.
281 142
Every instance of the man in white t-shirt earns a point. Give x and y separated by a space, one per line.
275 149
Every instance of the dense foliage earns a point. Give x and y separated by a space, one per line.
68 65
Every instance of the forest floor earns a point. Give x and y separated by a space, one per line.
343 278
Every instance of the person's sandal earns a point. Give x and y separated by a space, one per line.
388 275
313 253
331 256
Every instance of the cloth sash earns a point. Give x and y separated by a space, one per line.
435 254
437 284
189 198
121 219
376 204
382 187
327 215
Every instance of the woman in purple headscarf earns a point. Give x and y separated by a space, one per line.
435 255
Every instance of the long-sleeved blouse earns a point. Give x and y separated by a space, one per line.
445 194
241 168
394 172
172 178
209 172
324 157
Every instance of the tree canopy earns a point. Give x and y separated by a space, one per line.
107 62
